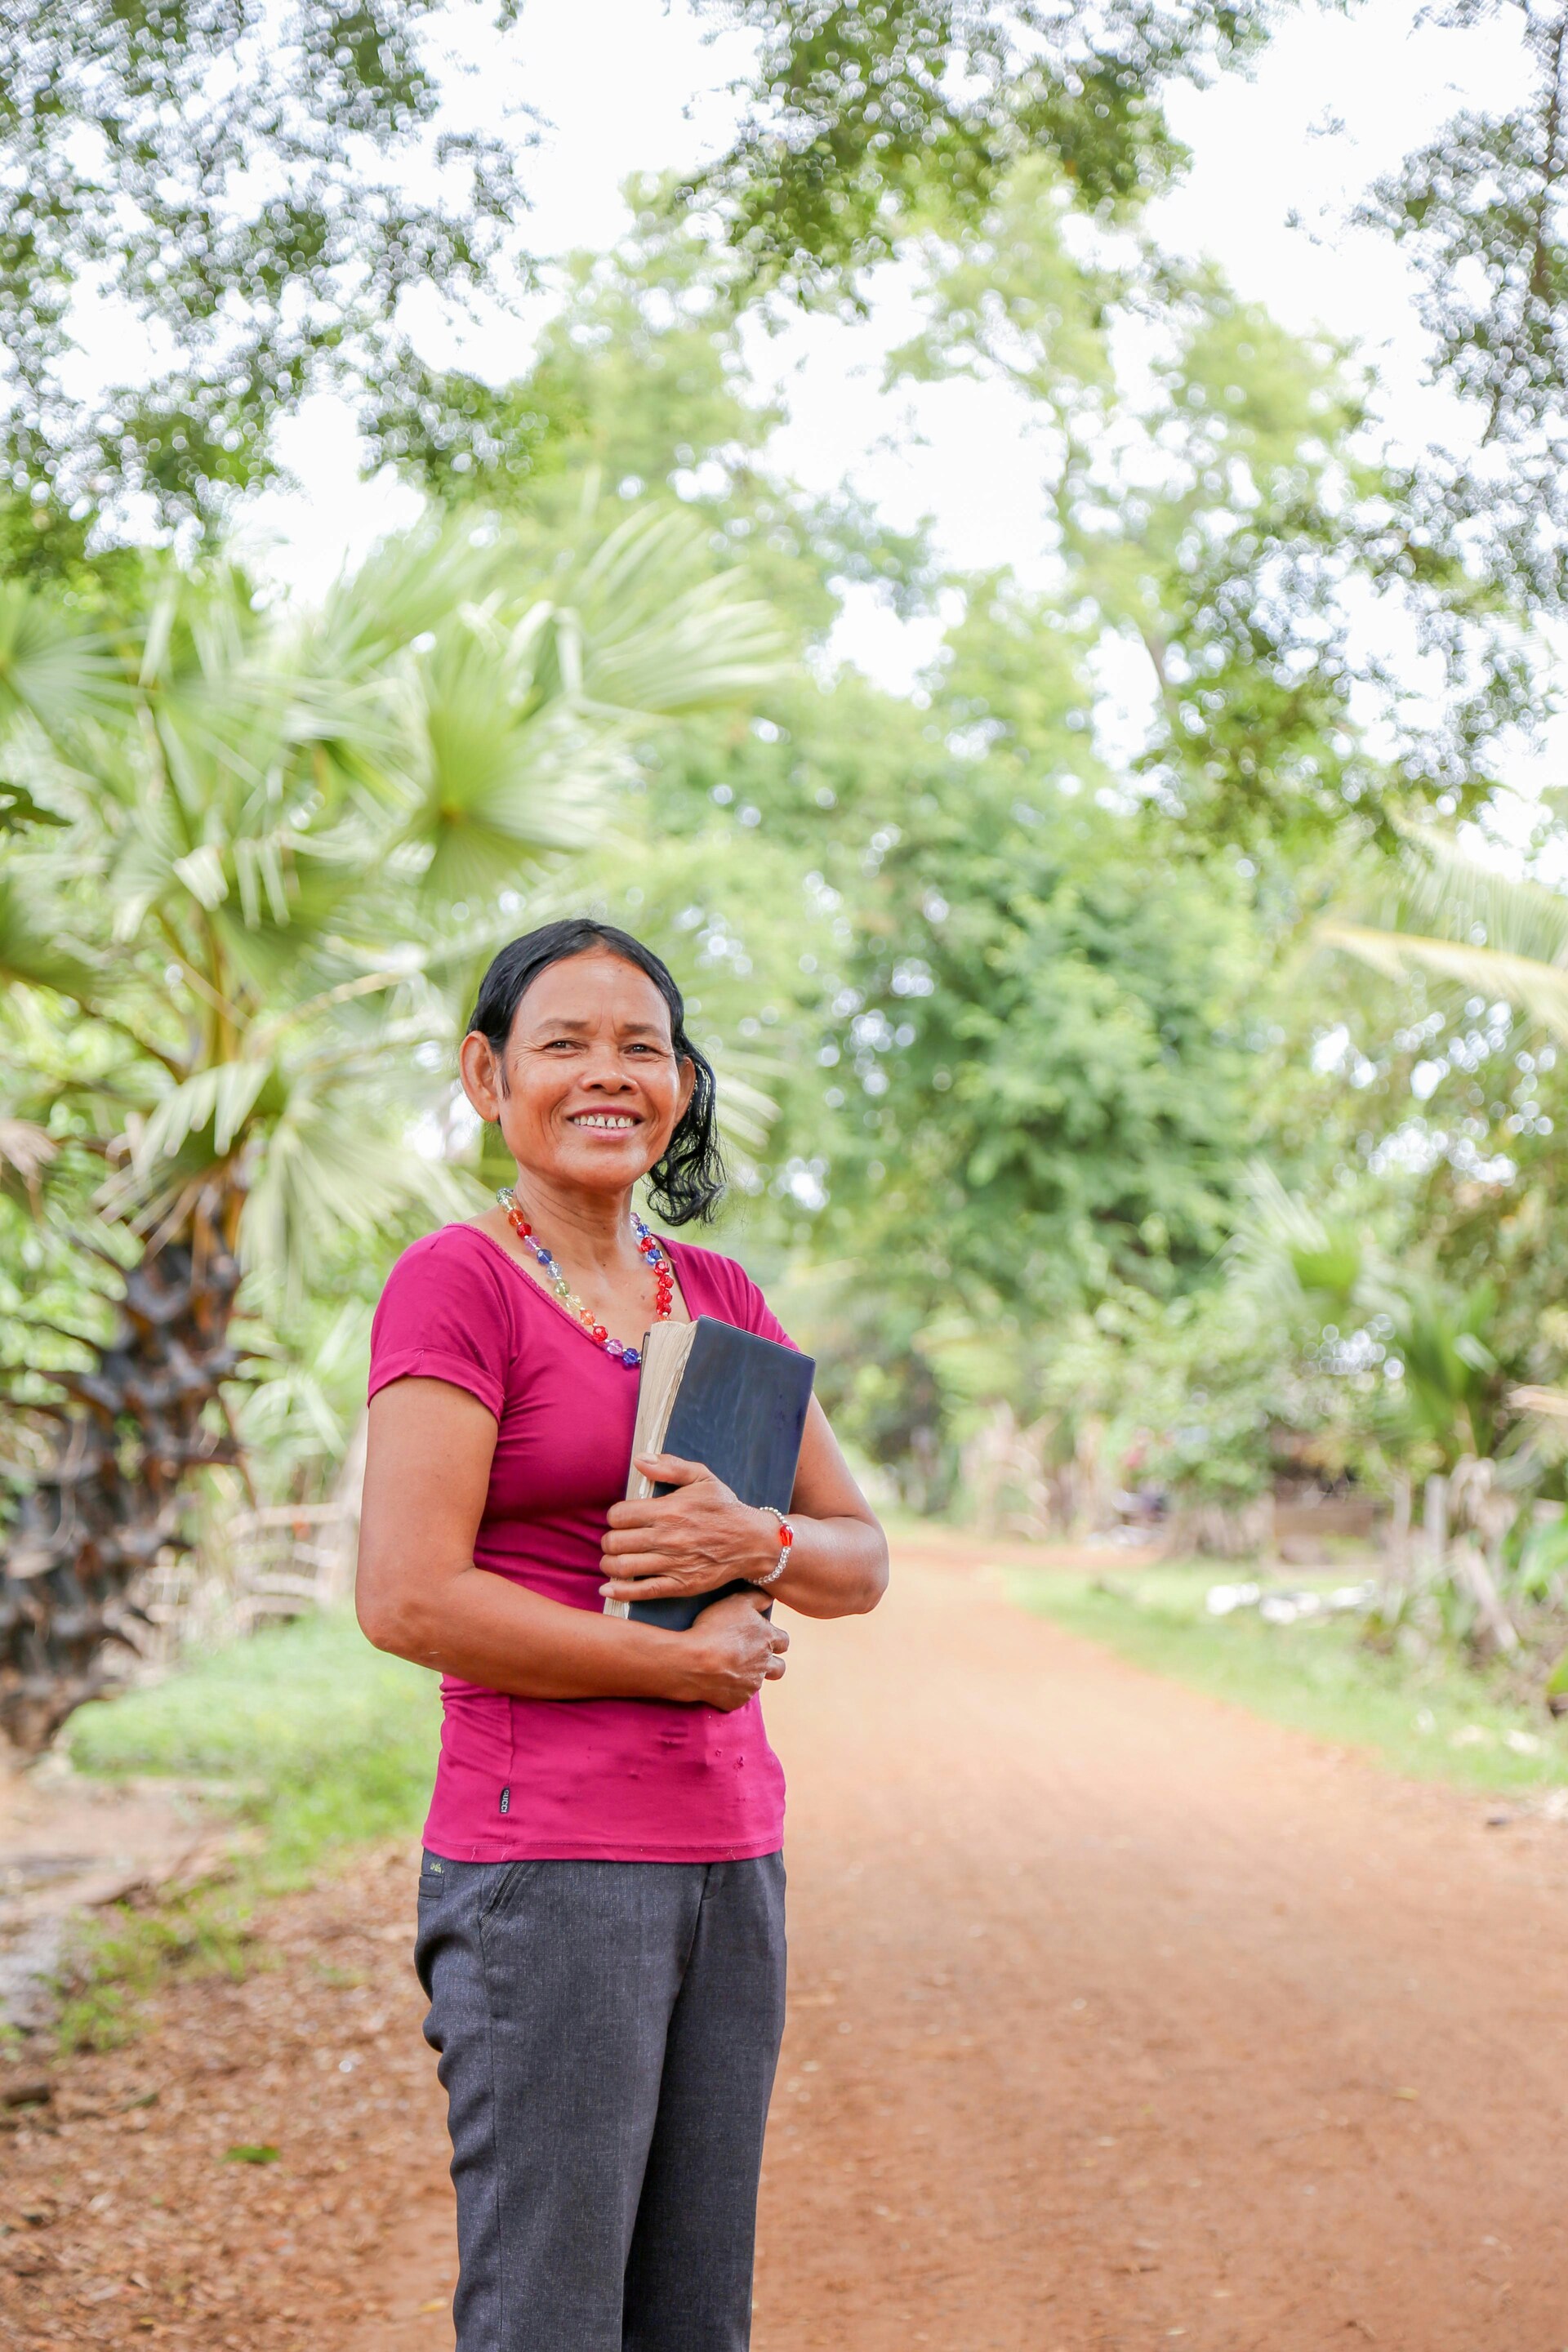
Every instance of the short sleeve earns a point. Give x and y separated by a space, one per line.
444 1315
757 1315
731 1291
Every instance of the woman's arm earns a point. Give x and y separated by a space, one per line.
419 1594
701 1536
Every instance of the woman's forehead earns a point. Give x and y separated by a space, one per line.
593 990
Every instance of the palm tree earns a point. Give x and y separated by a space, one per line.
282 846
1447 1401
1501 936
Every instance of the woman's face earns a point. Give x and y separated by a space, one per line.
588 1091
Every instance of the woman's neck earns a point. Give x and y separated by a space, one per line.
591 1229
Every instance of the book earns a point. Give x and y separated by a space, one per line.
712 1393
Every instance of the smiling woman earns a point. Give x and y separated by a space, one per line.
601 1908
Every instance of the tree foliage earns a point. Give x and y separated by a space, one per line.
866 120
231 179
1214 499
1478 212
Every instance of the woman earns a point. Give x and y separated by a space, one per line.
601 1906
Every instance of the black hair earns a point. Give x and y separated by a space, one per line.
688 1180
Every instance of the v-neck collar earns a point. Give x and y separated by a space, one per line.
565 1313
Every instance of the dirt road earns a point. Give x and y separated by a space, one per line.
1117 2019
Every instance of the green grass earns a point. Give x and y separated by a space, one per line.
1433 1721
118 1958
313 1740
324 1741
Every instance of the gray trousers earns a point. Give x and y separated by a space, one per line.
608 2033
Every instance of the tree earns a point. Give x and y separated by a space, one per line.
1478 211
237 177
866 122
1041 1051
1214 506
1028 1039
240 178
639 384
1469 961
286 845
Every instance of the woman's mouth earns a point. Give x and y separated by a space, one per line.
606 1122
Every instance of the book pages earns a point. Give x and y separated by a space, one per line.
663 1352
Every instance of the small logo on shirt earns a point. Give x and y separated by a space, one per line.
506 1800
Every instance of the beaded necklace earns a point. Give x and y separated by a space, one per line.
649 1248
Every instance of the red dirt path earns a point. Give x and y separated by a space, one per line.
1117 2018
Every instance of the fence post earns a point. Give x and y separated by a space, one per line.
1435 1523
338 1582
1397 1545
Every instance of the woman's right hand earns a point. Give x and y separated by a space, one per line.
730 1653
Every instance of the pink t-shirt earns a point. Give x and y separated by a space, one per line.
610 1779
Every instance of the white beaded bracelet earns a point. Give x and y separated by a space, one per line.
787 1537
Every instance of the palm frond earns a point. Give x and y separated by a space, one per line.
660 632
32 952
745 1112
405 588
26 1149
56 672
1550 1404
498 782
1286 1250
221 1096
328 1170
1455 896
1538 989
1456 918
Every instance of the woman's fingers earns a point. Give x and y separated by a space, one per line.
646 1514
622 1539
672 1470
634 1574
648 1559
663 1510
654 1536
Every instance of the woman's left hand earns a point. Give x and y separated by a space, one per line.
694 1541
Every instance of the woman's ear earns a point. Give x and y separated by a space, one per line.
688 1085
479 1067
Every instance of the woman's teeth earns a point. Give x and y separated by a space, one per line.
602 1119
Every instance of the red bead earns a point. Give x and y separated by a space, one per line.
600 1333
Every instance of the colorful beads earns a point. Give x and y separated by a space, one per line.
652 1252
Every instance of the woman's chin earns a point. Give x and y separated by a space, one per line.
601 1167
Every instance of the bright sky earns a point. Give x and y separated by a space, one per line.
628 85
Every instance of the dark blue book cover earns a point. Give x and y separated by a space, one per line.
740 1409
